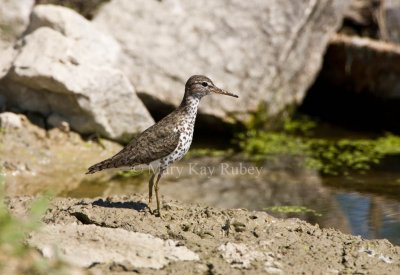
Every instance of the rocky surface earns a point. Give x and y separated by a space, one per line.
10 121
362 76
391 15
87 8
97 244
267 52
363 66
34 160
377 19
64 67
234 241
91 45
14 18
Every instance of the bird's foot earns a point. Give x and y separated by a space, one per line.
157 213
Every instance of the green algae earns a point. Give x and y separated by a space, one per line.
291 209
337 156
295 137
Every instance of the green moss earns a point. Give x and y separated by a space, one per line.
291 209
12 230
259 118
327 156
302 125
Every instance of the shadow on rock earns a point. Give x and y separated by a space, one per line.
138 206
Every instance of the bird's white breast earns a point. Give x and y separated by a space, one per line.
185 128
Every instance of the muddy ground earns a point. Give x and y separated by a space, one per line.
104 236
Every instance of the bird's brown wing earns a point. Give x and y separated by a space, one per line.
151 145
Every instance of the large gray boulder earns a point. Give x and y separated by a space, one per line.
94 46
266 51
14 18
57 72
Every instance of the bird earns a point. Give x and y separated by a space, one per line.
166 141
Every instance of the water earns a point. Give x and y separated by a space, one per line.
370 216
367 205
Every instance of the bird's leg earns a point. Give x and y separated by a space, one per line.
156 189
151 183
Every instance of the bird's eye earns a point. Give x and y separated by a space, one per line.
204 84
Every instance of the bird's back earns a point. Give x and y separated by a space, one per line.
154 143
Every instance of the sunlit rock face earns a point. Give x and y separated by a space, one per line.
266 51
14 18
65 66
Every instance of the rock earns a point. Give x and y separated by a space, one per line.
10 120
34 160
53 74
2 103
359 84
267 52
369 66
363 13
56 121
85 8
239 255
7 54
14 18
86 245
94 46
377 19
391 16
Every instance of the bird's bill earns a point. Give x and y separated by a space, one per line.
222 92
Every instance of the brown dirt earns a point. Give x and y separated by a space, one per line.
234 241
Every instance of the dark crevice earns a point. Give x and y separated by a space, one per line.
84 219
356 111
87 8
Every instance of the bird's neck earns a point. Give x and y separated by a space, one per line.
190 103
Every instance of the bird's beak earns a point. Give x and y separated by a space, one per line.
222 92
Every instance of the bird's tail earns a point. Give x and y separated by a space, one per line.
105 164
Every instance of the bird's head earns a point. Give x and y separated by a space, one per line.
199 86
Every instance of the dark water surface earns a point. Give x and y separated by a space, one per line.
361 204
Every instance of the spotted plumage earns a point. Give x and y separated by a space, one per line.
166 141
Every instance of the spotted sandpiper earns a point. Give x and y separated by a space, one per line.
166 141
